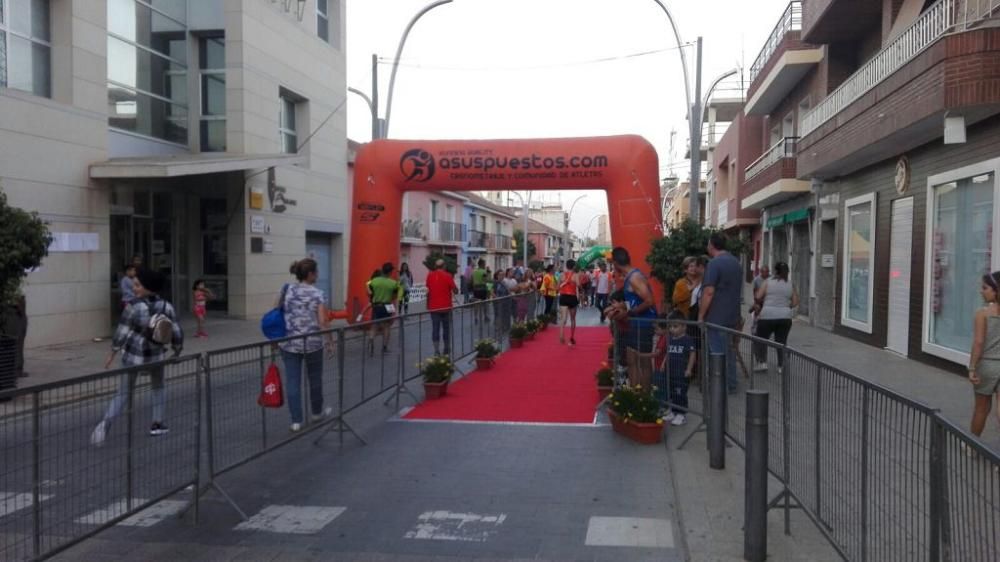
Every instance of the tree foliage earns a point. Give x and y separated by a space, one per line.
450 265
518 240
690 239
24 241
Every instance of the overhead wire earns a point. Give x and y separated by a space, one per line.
403 63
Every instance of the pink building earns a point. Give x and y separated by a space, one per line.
432 222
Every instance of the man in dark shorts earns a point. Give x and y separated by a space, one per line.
640 312
385 291
721 292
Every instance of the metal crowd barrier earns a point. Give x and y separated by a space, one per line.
57 489
883 477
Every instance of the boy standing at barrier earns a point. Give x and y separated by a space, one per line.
146 327
681 357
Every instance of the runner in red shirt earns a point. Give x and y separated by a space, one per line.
569 299
440 289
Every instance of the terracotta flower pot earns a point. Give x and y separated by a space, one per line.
516 343
530 336
433 390
604 391
484 363
645 433
616 423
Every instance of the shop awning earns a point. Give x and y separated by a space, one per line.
189 165
788 218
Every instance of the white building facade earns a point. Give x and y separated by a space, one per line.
206 137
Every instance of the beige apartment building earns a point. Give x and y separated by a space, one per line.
207 137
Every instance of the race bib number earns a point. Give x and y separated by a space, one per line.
391 309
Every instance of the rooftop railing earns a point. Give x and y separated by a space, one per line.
791 20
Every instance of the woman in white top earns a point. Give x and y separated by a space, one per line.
780 299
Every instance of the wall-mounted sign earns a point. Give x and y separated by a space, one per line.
75 242
258 225
827 260
256 199
902 179
159 246
268 246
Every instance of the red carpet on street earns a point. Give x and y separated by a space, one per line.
540 382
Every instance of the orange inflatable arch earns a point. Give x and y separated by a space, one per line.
625 167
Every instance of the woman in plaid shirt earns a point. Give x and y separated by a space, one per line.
136 349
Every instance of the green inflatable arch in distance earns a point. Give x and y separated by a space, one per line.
590 256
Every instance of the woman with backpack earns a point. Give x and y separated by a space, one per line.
147 326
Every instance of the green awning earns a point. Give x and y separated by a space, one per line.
796 216
788 218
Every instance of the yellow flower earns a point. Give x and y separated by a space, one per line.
659 421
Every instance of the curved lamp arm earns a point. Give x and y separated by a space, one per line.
399 53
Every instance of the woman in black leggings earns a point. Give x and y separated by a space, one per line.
780 299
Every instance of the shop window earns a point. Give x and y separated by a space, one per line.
859 263
962 216
25 51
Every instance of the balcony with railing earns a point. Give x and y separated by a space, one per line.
942 63
447 232
478 239
781 64
771 178
499 242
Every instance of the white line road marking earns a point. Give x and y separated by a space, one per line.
14 501
448 526
630 531
293 519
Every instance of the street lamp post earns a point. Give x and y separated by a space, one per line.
569 215
524 235
399 53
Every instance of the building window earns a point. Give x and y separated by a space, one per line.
859 263
286 125
147 68
323 20
212 63
962 214
434 211
25 51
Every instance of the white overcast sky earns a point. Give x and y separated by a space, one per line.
482 69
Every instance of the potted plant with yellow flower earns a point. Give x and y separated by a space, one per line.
517 333
437 371
532 326
634 413
486 351
605 380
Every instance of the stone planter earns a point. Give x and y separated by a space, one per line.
530 336
516 343
434 390
484 363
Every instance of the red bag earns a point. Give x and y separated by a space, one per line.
271 395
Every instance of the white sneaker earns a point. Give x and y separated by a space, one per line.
668 416
97 437
322 415
296 427
760 367
679 419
